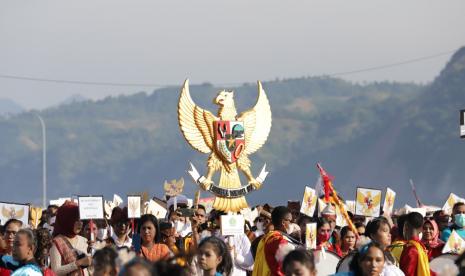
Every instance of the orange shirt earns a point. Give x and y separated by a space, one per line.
159 251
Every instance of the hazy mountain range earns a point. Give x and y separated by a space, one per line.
372 135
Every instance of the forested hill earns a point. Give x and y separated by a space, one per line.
369 135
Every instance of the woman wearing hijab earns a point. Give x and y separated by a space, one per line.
431 239
68 253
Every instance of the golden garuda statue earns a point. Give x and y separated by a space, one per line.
229 138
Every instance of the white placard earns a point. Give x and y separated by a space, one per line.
310 235
14 211
462 123
232 225
350 206
451 200
133 206
60 201
368 202
309 202
455 244
90 207
389 200
152 207
117 200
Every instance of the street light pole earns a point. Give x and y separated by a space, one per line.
44 162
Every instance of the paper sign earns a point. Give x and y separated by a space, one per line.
368 202
14 211
108 208
421 211
174 187
309 202
36 214
389 198
207 203
232 225
350 206
250 215
462 123
310 235
134 206
60 201
321 206
90 207
152 207
455 244
117 200
451 200
340 220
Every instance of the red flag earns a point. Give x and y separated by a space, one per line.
326 182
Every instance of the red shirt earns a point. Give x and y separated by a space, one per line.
434 252
5 272
409 259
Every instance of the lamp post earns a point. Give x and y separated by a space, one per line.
44 162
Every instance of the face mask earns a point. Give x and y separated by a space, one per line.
459 220
179 225
102 234
323 237
260 226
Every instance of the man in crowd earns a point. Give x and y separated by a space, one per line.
458 219
275 245
120 223
414 259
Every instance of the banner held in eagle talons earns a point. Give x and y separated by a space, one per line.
229 138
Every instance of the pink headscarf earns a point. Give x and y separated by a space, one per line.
435 241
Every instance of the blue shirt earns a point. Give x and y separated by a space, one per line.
446 233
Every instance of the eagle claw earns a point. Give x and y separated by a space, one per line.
206 184
255 184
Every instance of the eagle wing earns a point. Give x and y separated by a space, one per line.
19 213
257 122
6 213
196 123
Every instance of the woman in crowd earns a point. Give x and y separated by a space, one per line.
431 239
369 260
151 248
299 262
348 240
68 255
379 231
214 258
323 230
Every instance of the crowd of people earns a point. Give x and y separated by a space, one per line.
188 241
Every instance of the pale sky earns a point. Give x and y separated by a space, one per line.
222 42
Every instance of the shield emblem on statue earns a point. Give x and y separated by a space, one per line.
229 139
